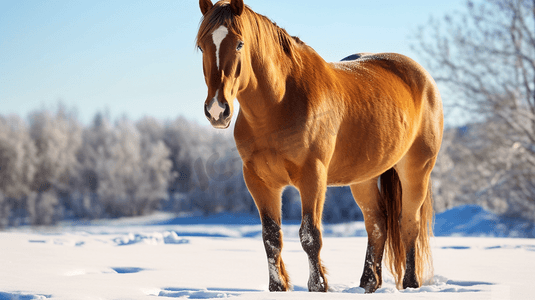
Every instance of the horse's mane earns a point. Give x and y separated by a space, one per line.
264 30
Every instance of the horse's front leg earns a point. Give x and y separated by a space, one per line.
312 186
268 201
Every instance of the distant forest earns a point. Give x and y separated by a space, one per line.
53 168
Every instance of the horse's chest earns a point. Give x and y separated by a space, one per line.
275 155
270 165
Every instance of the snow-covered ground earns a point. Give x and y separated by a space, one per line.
160 256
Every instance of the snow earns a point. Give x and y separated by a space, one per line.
472 220
164 257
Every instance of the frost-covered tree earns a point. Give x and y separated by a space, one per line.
291 204
17 168
187 142
206 168
340 206
4 210
57 138
157 164
478 165
42 207
124 173
485 61
151 130
17 158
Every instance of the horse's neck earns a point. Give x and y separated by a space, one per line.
272 83
265 90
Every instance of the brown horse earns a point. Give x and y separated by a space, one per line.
373 123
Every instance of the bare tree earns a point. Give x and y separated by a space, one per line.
17 166
124 171
17 158
57 138
485 60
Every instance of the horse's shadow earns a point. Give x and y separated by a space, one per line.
440 285
206 293
468 283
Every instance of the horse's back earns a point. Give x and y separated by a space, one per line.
393 76
355 56
401 66
392 105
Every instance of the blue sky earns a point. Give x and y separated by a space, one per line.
138 58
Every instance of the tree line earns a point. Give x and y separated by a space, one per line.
54 168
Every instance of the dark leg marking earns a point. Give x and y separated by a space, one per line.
371 278
410 280
271 234
311 242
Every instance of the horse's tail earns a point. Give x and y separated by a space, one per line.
395 254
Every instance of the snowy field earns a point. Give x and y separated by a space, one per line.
161 257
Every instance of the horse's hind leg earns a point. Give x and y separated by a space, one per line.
414 173
268 201
312 187
368 198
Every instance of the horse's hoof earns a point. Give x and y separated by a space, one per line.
277 287
319 286
369 281
370 285
410 282
369 288
317 289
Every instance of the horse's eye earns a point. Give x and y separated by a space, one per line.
200 49
240 45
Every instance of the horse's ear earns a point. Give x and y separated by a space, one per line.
205 5
236 6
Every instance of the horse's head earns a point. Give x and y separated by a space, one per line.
223 49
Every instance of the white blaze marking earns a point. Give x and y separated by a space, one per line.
218 36
215 110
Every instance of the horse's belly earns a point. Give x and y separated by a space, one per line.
358 161
351 172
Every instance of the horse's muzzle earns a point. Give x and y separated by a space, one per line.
218 114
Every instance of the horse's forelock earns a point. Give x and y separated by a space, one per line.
220 15
262 27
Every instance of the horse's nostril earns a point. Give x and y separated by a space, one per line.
206 113
226 113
